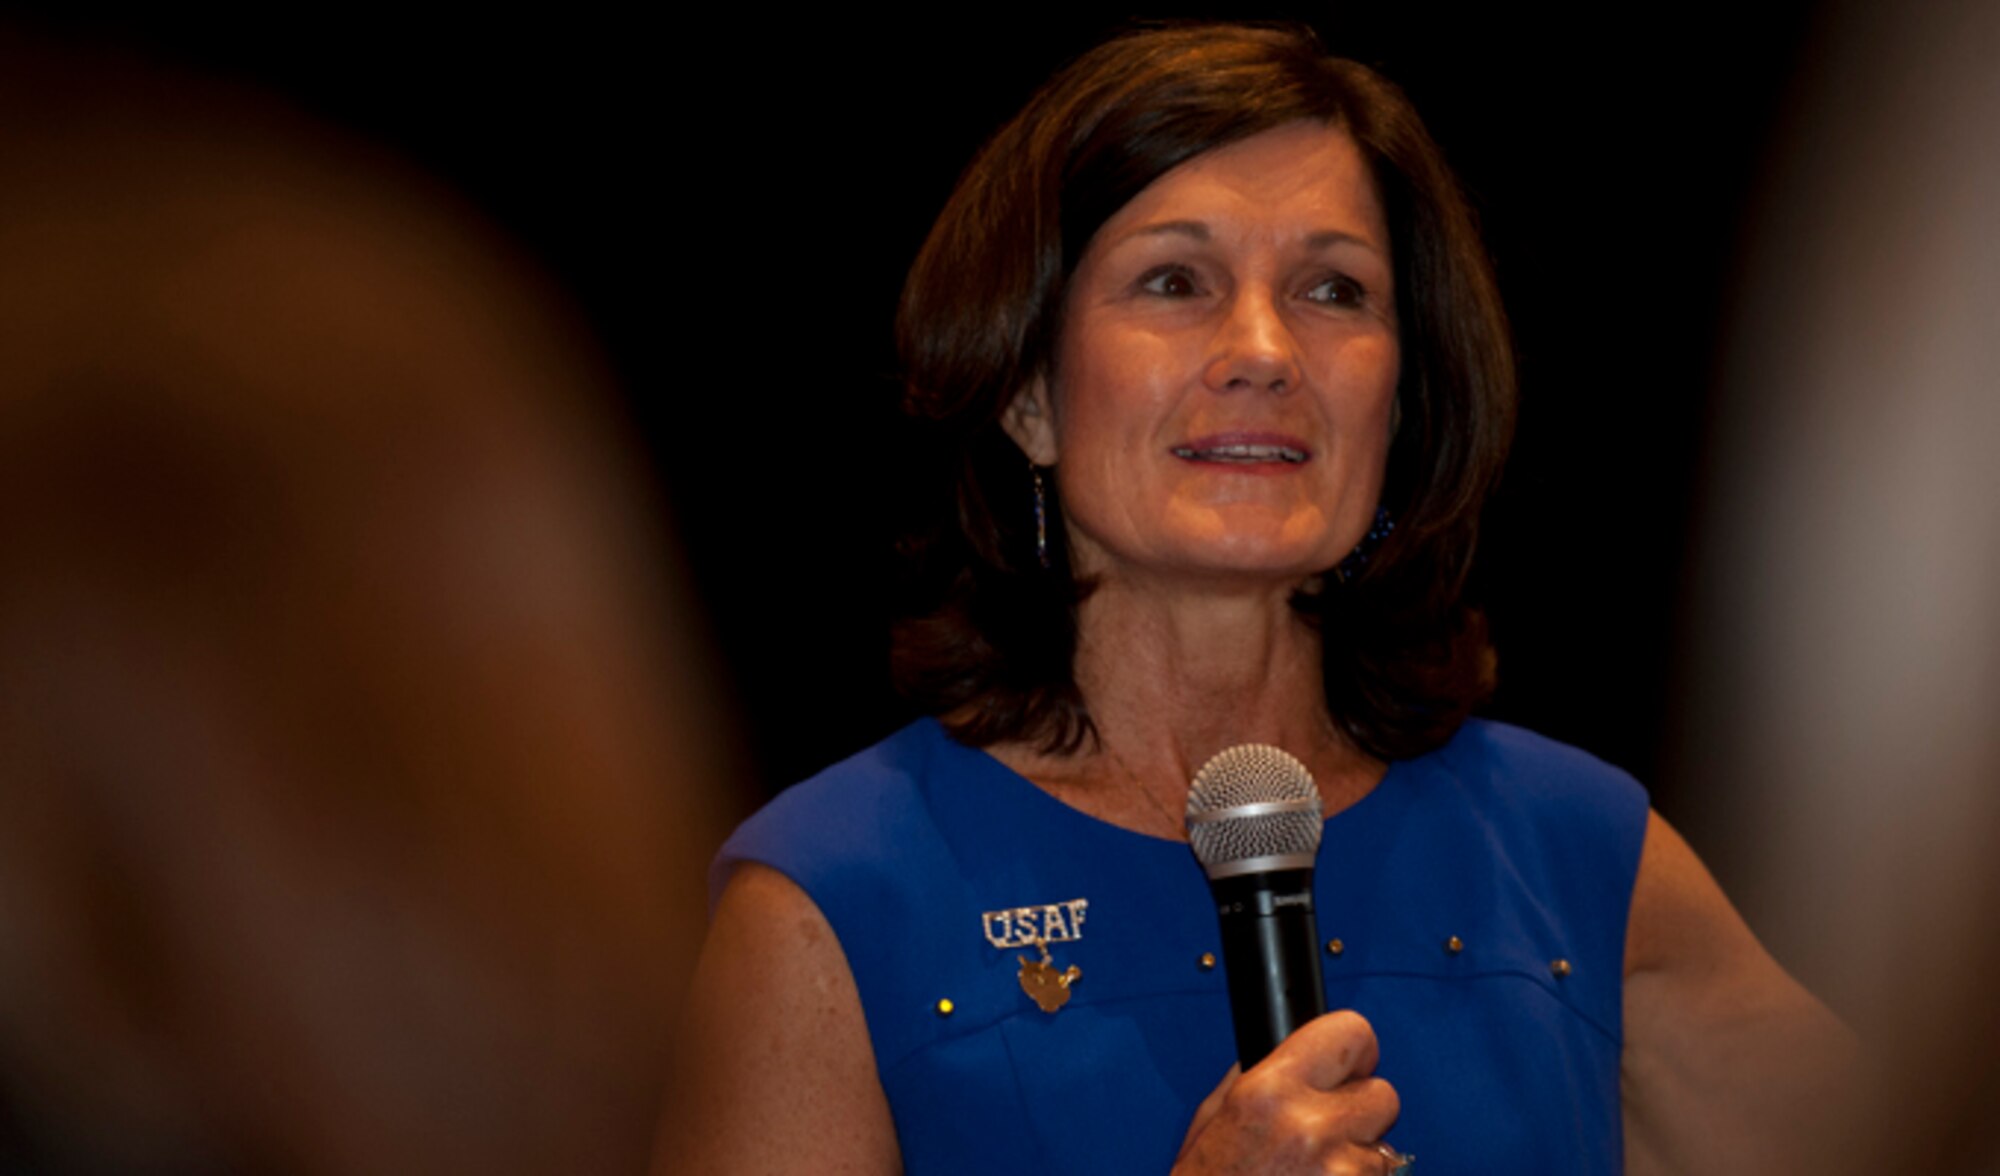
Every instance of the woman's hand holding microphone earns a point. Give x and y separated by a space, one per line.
1313 1106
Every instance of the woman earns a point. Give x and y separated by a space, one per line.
1213 328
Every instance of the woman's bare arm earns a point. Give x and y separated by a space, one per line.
1729 1065
780 1076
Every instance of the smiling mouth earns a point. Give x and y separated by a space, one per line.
1242 454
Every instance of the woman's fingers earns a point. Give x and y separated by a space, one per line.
1359 1159
1316 1121
1327 1051
1313 1106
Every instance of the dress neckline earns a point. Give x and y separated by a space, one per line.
1004 776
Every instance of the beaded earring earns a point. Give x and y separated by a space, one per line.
1041 516
1347 569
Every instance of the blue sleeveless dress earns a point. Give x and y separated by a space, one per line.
1479 896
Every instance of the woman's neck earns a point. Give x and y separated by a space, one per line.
1171 678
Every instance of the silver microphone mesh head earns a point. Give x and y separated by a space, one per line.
1253 808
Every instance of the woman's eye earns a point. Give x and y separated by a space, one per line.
1173 282
1338 290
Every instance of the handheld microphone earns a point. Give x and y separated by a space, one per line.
1253 818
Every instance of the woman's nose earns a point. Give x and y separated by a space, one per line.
1254 348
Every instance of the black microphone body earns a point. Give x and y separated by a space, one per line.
1270 952
1254 824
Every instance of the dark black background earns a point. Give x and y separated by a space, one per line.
731 200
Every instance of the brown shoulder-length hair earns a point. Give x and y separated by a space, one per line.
1405 658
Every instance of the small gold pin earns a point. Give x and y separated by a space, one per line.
945 1007
1048 988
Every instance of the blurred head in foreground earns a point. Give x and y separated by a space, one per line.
1847 664
349 739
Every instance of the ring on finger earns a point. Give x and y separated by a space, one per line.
1400 1163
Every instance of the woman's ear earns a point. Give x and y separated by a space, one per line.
1031 422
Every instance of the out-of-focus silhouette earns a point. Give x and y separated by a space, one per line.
1847 664
355 779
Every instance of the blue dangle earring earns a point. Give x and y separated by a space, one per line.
1041 516
1347 569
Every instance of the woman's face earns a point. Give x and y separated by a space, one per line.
1220 406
